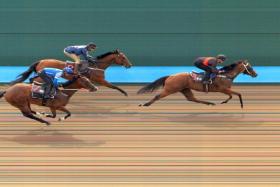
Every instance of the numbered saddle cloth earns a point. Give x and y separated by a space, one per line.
37 90
197 76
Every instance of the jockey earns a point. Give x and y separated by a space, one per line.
208 64
75 52
50 76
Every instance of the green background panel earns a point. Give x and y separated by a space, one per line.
150 32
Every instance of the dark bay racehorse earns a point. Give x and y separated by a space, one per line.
184 83
19 96
103 62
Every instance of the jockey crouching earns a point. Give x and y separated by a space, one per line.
50 76
75 52
208 64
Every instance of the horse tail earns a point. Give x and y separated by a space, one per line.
23 76
2 93
153 86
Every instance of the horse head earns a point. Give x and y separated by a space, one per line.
114 57
246 68
121 59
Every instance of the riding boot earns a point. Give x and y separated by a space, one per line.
77 67
48 90
206 79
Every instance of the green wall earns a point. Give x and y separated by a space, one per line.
150 32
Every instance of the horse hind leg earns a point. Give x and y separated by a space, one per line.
189 96
28 113
38 113
157 97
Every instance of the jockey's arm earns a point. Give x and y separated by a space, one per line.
85 54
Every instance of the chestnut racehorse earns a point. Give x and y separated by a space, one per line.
102 63
19 96
184 83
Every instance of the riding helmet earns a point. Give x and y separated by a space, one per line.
91 46
68 70
221 57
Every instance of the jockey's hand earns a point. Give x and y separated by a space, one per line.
91 59
221 71
77 75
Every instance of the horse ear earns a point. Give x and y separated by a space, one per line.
117 51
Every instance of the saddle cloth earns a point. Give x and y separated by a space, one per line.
199 76
37 90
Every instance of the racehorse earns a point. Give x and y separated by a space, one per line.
184 83
102 63
20 96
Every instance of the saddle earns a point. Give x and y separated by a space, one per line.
38 91
198 77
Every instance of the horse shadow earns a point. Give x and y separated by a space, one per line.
51 138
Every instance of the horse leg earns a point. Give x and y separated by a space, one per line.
229 98
68 113
37 113
189 96
157 97
53 115
28 113
229 92
109 85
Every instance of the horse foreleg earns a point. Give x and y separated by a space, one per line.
190 97
235 93
157 97
68 113
109 85
53 115
229 98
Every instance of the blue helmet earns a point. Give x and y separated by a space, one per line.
68 70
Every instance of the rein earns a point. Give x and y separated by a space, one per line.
245 66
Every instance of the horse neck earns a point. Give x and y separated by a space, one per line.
233 73
70 92
105 62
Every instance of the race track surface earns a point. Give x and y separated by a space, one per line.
110 141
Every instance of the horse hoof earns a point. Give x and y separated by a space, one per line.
48 123
41 114
212 104
61 119
140 105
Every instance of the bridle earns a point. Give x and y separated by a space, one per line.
245 66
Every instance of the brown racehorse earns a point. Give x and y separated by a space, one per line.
19 96
184 83
103 62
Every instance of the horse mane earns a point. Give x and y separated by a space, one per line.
231 66
104 55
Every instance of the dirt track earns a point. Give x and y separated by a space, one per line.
110 140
